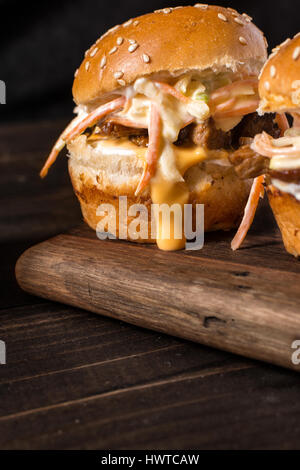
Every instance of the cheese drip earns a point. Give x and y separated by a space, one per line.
163 190
168 187
171 192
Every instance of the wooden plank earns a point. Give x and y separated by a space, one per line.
245 302
70 355
77 380
208 408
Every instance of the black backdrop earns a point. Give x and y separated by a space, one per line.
42 43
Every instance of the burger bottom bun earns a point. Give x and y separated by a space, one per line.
286 210
216 186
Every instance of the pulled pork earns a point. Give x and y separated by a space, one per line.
111 129
247 163
289 176
253 124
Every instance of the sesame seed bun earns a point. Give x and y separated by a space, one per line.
172 40
279 84
286 210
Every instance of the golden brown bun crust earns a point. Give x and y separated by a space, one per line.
178 39
286 210
221 191
279 84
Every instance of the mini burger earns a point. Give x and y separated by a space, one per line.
279 89
163 103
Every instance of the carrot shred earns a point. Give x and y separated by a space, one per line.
153 151
57 148
282 122
123 121
224 103
263 144
77 126
170 90
236 110
95 116
225 91
249 213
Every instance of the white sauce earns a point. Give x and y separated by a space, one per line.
290 188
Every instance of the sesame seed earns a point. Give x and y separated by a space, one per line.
119 74
267 86
296 53
146 58
133 47
242 40
121 82
113 50
87 65
167 10
136 22
273 71
238 21
222 17
132 41
94 51
128 23
283 43
103 62
201 5
112 30
120 41
76 73
86 53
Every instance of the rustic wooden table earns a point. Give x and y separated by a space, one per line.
78 380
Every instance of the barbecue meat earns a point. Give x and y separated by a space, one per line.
207 135
253 124
247 163
108 128
289 176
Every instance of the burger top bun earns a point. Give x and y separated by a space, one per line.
279 84
173 40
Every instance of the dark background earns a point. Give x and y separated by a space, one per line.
42 43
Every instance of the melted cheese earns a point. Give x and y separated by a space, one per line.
185 157
165 191
166 187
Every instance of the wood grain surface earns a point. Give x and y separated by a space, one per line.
245 302
77 380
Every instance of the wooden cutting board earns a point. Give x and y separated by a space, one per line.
246 302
